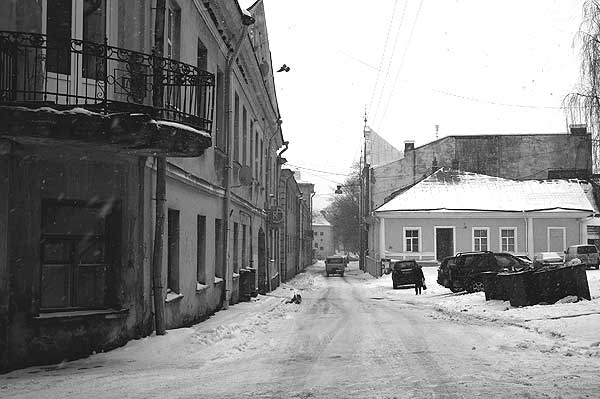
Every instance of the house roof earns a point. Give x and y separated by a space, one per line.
454 190
319 220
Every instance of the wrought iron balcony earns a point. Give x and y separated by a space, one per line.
36 70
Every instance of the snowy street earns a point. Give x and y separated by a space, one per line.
351 336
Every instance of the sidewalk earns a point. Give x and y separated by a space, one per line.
577 324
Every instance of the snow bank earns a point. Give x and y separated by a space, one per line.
577 323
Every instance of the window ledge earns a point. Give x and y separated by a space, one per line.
173 296
74 314
201 287
218 280
236 275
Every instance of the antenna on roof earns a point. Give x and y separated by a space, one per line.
437 130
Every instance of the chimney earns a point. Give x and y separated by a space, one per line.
578 130
455 164
409 145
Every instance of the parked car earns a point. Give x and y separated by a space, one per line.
544 259
587 254
443 277
465 270
525 258
402 273
335 264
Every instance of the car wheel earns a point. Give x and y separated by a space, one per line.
327 274
342 274
455 290
476 286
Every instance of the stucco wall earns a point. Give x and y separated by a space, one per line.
83 176
325 241
509 156
464 232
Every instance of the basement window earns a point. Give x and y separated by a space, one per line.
79 249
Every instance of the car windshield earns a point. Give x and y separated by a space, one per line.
403 265
335 260
588 249
506 262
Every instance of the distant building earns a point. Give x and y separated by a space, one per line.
455 211
322 237
515 156
379 150
294 201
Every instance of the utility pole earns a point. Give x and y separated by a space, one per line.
161 167
363 200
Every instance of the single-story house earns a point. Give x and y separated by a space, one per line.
454 211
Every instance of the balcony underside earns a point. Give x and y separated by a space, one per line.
134 133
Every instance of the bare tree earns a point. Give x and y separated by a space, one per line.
583 105
343 213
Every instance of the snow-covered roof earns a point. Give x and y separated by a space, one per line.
319 220
246 4
454 190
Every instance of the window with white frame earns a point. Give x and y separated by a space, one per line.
480 238
411 239
508 238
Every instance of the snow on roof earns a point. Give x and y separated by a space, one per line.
319 220
452 190
246 4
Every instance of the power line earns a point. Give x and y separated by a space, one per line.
412 30
495 102
383 54
317 170
387 70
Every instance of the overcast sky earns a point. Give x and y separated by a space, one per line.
470 66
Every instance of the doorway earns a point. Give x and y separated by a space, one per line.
262 264
444 242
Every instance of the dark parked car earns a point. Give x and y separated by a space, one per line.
402 272
443 277
465 270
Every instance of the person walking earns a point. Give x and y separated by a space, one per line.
419 279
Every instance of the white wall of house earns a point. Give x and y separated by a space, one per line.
322 241
546 233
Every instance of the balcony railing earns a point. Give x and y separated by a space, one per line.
35 68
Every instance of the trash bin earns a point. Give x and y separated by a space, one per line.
245 284
504 285
253 289
557 283
524 290
491 286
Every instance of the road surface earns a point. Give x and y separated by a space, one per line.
344 340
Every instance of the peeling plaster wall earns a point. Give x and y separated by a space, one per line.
508 156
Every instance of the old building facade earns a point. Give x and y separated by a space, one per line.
323 244
89 111
516 156
454 211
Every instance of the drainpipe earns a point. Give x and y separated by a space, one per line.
161 168
246 22
268 241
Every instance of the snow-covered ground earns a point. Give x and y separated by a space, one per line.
351 337
578 323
